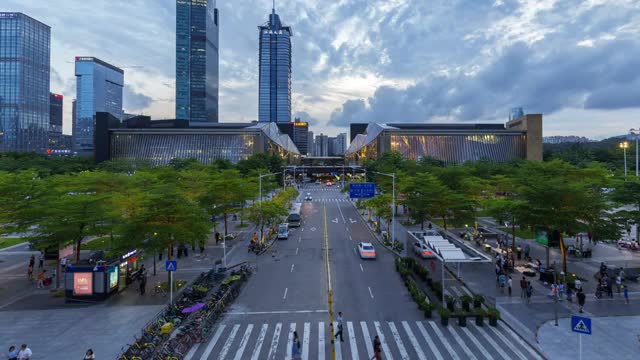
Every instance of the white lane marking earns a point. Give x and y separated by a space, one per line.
243 342
464 288
337 344
192 351
292 265
285 293
478 345
227 344
274 342
361 268
414 341
486 336
350 238
430 342
299 240
461 343
368 341
396 337
297 249
321 348
520 341
354 251
370 293
352 341
292 328
305 341
276 312
258 347
509 344
343 220
385 347
444 340
212 343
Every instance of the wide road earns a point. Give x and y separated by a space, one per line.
289 293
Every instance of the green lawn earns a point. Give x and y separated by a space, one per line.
6 242
521 233
97 244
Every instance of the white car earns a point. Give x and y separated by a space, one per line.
366 251
422 250
308 196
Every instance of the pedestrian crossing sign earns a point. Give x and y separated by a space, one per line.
171 265
581 325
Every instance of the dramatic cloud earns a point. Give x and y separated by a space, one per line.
379 60
134 101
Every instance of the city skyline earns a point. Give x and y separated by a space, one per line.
351 67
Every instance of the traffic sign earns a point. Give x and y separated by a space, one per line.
581 325
171 265
362 190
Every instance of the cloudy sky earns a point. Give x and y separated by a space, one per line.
575 61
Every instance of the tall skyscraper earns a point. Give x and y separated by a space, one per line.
197 60
24 83
321 145
98 89
311 145
274 97
55 113
341 144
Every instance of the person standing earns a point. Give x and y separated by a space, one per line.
523 288
89 355
41 260
619 283
339 332
581 298
41 278
509 285
377 349
625 292
529 292
63 263
296 352
143 283
24 353
501 280
32 260
30 273
569 294
13 353
578 285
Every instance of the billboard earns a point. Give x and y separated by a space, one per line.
82 283
113 277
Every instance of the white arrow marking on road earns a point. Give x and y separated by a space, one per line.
297 250
335 221
313 229
353 221
285 293
256 350
274 341
361 268
370 293
243 342
292 265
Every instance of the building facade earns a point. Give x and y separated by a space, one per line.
98 89
321 144
274 89
338 145
25 45
55 113
311 144
301 136
520 138
197 76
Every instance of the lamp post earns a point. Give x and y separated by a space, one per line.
624 146
392 236
636 132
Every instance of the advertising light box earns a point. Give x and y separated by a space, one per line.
83 283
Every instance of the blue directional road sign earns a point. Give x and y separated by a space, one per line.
581 325
362 190
171 265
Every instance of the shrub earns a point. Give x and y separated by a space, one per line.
465 300
493 313
478 300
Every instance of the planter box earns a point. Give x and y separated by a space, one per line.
465 307
451 306
444 321
480 321
462 321
493 321
428 314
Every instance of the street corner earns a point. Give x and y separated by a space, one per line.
611 337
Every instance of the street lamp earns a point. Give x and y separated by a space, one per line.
393 207
636 132
624 146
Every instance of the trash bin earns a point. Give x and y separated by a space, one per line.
487 248
519 253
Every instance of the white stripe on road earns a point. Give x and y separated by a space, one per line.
461 343
305 341
343 220
243 342
490 341
285 293
477 343
336 343
414 341
258 347
352 341
361 268
385 347
292 328
396 336
274 342
520 341
509 344
192 351
321 348
276 312
212 343
297 250
427 337
292 266
444 340
227 344
368 341
350 238
370 293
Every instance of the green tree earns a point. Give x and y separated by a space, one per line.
627 193
266 213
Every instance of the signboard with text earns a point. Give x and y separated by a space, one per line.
82 283
362 190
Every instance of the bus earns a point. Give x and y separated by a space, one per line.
294 218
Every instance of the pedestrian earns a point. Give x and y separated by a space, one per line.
89 355
32 260
501 280
296 353
429 226
143 284
339 332
569 294
578 285
625 292
529 292
527 249
24 353
523 287
41 260
377 349
619 283
581 298
201 247
30 272
13 353
63 263
41 278
217 237
609 287
509 285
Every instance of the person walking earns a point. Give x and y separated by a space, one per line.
527 249
523 288
578 285
501 280
296 352
581 299
569 294
339 332
41 278
143 283
24 353
377 349
30 273
625 292
619 283
509 284
63 263
89 355
41 260
529 292
13 353
32 260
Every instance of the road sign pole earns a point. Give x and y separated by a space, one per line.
580 336
171 288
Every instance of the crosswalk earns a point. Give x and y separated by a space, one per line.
331 200
400 340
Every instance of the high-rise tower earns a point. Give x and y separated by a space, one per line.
274 97
197 60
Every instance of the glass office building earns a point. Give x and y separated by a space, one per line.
197 60
450 143
274 93
98 89
24 83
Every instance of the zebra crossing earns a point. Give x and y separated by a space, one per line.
400 340
331 200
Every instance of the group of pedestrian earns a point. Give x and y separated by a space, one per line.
23 354
526 289
502 279
377 345
41 277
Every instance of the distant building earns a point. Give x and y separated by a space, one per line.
25 45
301 136
127 116
310 144
338 145
274 89
73 122
55 113
565 139
98 89
197 42
321 146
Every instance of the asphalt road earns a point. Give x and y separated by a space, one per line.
289 292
